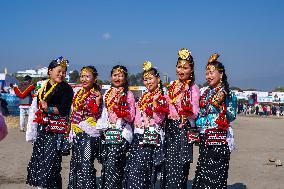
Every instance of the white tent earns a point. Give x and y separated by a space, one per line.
6 79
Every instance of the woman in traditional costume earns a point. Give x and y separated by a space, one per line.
183 96
217 109
147 146
54 102
119 112
85 137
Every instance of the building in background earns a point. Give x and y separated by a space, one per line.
35 73
41 72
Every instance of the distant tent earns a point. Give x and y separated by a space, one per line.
12 100
6 79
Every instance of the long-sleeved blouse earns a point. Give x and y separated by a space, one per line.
175 103
208 114
143 120
86 114
110 119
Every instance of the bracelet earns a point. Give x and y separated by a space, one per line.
50 110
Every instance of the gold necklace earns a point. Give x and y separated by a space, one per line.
79 99
110 101
48 92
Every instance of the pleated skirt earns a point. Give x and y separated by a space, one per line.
85 150
45 164
212 166
143 164
178 156
113 165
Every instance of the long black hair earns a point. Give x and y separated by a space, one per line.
155 73
95 74
125 72
53 64
221 68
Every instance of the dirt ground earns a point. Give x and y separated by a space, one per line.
257 140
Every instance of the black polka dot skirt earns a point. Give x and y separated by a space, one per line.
85 150
143 164
113 164
178 156
45 164
212 166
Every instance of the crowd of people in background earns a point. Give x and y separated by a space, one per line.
3 102
3 106
261 109
9 89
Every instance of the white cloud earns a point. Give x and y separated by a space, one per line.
106 36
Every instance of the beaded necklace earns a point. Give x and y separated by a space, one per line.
186 105
145 104
121 108
40 114
110 102
146 99
174 95
48 92
78 104
79 99
211 100
142 103
222 120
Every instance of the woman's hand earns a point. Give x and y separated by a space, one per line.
156 98
44 106
98 98
221 97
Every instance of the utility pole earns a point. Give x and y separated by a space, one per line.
166 78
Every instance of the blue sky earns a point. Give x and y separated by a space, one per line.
249 35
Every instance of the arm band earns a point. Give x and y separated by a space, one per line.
50 110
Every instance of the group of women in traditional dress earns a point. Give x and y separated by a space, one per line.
136 142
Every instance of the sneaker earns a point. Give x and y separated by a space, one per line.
272 159
278 163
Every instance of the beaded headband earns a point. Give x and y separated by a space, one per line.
119 69
88 70
213 58
62 62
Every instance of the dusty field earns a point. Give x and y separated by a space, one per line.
257 140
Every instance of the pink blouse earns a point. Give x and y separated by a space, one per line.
143 121
174 108
131 107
